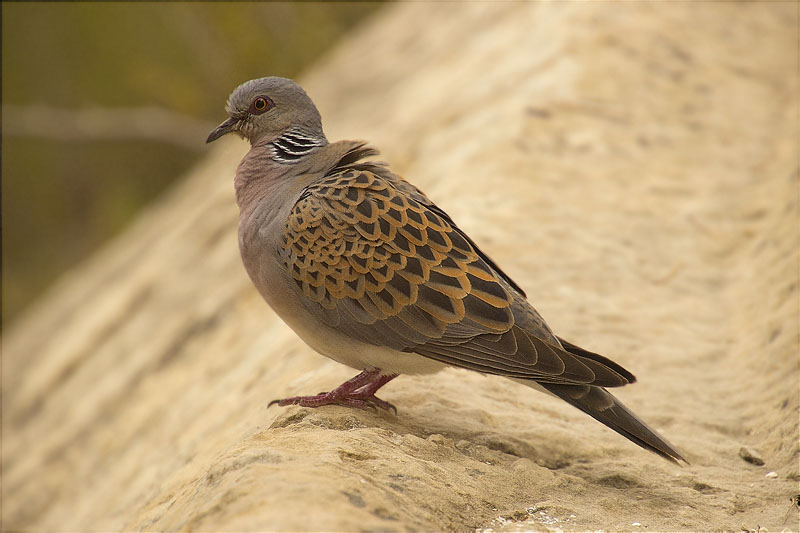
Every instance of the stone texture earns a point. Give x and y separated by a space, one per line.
646 156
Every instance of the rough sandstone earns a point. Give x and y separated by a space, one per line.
632 166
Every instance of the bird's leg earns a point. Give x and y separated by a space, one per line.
357 392
368 392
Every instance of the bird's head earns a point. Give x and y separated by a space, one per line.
266 108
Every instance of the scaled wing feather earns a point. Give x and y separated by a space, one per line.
372 256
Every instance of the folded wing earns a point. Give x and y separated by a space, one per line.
372 256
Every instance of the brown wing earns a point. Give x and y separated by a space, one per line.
373 257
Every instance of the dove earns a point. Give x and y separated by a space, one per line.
371 273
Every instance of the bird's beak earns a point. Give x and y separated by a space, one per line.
226 127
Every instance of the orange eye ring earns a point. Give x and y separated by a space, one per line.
260 105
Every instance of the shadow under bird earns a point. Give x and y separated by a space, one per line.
368 271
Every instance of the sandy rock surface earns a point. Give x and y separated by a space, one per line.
634 167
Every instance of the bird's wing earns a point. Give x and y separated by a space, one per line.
371 256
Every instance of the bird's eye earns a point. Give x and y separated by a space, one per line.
260 105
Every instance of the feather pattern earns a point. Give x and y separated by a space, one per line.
293 145
371 255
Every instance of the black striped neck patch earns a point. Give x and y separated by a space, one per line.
294 145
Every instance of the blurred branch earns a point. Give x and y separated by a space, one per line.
100 123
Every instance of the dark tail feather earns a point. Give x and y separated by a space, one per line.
605 361
605 408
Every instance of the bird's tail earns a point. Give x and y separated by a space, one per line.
604 407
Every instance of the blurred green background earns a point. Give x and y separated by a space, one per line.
106 104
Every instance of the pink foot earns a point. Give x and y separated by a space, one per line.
358 392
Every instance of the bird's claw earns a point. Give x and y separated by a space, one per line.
351 400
